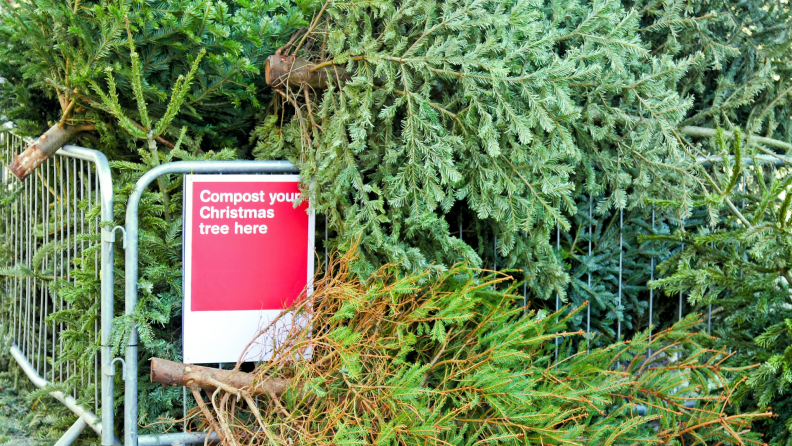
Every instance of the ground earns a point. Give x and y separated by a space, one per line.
31 420
15 429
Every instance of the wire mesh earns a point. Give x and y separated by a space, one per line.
47 224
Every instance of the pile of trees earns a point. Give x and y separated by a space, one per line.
456 131
447 359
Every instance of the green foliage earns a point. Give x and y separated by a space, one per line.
61 49
503 117
742 269
445 359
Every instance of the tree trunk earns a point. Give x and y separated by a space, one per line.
293 71
177 374
39 151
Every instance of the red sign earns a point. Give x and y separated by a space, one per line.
248 255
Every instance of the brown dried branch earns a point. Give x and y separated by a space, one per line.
206 412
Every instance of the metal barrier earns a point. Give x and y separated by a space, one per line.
131 278
45 225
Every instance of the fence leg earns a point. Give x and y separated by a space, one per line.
71 435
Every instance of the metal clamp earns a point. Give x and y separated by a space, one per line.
109 369
108 235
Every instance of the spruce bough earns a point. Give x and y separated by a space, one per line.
427 359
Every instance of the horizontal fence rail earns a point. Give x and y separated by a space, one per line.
47 225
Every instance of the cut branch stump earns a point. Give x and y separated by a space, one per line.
209 379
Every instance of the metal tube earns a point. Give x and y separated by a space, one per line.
558 295
55 265
74 247
651 291
525 275
709 308
36 308
621 257
47 260
28 347
776 160
93 191
327 259
591 229
71 435
495 254
175 438
13 285
82 245
106 282
131 267
62 229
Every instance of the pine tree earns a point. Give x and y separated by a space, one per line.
445 359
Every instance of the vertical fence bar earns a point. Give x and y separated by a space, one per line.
621 258
681 295
82 244
327 258
525 280
651 290
495 253
709 307
36 348
50 262
558 294
45 265
28 280
591 232
63 195
74 207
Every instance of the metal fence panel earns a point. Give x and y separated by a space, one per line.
131 279
46 223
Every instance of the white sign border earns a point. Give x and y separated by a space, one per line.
200 348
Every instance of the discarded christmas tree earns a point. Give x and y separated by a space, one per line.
425 359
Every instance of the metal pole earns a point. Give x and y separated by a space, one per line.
558 295
591 229
621 257
651 291
71 435
131 267
327 258
525 275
